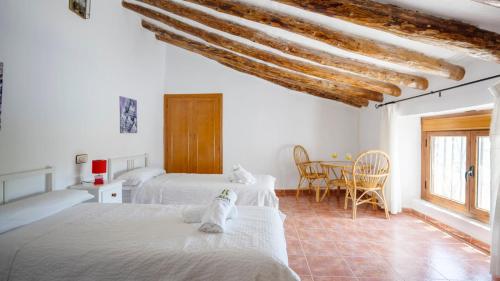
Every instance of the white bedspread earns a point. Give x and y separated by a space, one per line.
144 242
203 188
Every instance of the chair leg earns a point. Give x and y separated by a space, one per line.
347 191
317 187
298 188
354 204
338 191
327 190
324 195
385 205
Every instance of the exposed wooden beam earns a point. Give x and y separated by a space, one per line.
411 24
258 69
494 3
336 38
301 88
320 83
291 47
356 84
293 85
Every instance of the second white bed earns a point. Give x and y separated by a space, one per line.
145 185
179 189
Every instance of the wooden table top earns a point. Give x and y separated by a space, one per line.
338 164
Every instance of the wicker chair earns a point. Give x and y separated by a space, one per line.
309 171
334 180
366 182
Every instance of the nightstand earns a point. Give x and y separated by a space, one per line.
109 192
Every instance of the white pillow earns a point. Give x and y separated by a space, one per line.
139 176
31 209
241 175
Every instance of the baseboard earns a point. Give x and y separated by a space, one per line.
286 191
480 245
291 191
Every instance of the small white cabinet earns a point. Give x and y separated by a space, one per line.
110 192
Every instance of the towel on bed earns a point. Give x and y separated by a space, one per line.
241 175
214 218
195 213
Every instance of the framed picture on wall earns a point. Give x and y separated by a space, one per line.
80 7
128 115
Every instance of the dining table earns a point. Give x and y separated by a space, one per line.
333 170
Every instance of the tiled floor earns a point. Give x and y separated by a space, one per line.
325 244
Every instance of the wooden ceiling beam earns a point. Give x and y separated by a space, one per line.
319 83
339 39
494 3
356 84
258 69
291 47
301 88
410 24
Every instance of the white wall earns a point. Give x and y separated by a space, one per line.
369 128
62 79
263 121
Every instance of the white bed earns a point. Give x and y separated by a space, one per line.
176 188
92 241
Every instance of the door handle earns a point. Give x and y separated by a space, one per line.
469 172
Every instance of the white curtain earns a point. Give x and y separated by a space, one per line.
495 183
389 144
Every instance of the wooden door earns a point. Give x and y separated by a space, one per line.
193 133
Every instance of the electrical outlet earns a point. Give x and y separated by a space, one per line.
82 158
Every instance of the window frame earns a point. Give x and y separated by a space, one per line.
480 214
468 124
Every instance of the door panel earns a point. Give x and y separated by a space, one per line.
177 132
205 144
198 140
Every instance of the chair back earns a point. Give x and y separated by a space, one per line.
371 169
300 156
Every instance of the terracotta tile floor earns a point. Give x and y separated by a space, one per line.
325 244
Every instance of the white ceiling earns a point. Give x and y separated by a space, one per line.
481 15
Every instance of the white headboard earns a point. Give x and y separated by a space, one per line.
48 172
126 163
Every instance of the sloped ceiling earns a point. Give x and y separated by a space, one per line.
478 14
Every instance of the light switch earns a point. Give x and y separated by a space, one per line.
82 158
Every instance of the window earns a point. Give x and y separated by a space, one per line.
456 162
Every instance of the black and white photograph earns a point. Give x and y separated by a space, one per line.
80 7
128 115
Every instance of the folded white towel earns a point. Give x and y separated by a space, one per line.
214 218
241 175
195 213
